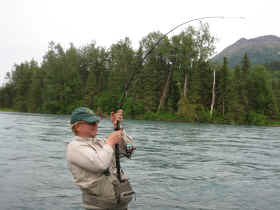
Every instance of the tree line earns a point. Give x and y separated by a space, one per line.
177 81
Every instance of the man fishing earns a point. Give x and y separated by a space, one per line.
92 161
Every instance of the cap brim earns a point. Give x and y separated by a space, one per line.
92 119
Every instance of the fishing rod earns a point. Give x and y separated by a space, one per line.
117 152
160 39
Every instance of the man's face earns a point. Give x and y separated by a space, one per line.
87 129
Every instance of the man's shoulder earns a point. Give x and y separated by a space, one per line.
76 141
82 141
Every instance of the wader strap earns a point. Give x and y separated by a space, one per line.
117 191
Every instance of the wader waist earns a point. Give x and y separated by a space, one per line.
93 202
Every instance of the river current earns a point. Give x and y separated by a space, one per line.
176 165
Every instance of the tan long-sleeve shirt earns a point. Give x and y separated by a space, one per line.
89 158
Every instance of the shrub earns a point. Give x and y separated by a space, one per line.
256 119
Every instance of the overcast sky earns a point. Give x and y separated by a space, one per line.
27 26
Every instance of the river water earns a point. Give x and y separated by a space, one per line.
176 165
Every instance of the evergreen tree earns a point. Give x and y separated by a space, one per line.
155 73
245 64
21 78
245 85
35 99
238 109
52 81
224 87
262 100
90 97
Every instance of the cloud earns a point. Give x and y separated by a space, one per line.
27 26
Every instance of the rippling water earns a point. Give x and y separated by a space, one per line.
176 165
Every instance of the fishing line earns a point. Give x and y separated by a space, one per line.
117 152
160 39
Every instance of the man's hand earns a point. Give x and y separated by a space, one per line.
118 116
114 138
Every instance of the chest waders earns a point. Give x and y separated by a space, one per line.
108 192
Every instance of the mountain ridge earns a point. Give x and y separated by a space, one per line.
260 50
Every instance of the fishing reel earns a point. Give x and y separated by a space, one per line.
127 145
129 151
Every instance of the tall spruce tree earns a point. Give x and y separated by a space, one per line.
238 108
35 97
224 86
21 78
245 85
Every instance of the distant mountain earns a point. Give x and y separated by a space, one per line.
260 50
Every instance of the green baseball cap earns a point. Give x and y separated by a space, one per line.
84 114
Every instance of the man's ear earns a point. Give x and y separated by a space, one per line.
78 127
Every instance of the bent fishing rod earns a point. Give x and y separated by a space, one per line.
117 152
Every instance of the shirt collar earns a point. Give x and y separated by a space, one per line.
78 138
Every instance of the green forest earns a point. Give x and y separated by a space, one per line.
176 82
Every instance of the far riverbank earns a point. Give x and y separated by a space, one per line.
173 118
